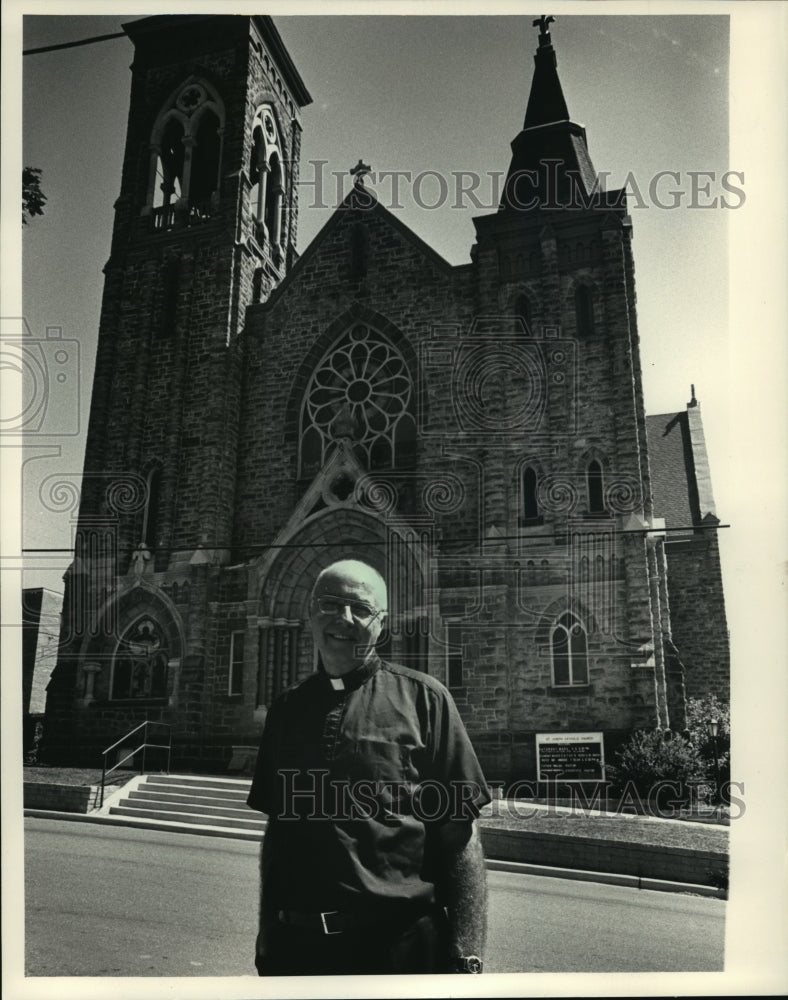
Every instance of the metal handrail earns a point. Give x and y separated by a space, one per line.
143 746
124 738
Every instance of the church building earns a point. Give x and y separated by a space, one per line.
475 432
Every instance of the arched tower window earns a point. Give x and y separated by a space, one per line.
361 391
186 156
266 172
584 311
169 164
595 487
150 516
522 309
171 281
139 668
569 651
530 499
204 179
272 213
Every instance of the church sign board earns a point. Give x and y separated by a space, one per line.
570 757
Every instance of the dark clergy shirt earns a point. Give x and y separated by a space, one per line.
355 775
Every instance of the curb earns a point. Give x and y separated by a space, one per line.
514 867
147 824
608 878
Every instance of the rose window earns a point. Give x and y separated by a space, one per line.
361 391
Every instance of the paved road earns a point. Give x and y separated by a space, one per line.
114 901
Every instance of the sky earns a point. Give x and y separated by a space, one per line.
656 90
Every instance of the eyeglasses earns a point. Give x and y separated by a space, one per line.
361 613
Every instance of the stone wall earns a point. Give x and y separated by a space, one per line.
62 798
622 858
697 600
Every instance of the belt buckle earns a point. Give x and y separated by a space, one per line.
328 913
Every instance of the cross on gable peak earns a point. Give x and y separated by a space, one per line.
359 172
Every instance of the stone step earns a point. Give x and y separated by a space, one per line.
215 795
196 780
183 803
196 819
191 800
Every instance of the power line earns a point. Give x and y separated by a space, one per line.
72 45
257 547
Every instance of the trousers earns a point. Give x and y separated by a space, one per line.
418 946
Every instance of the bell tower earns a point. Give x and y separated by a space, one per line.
205 224
555 266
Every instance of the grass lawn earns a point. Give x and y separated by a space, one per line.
521 815
75 776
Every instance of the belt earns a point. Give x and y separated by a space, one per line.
338 921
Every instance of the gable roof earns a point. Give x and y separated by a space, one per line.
680 481
356 201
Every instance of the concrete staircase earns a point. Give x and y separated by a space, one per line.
211 804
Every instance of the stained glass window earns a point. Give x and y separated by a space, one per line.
140 666
362 391
569 651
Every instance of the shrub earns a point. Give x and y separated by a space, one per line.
650 757
719 877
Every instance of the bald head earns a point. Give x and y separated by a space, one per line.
353 572
347 611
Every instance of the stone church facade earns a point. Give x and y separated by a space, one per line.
476 432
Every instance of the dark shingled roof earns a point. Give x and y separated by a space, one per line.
672 467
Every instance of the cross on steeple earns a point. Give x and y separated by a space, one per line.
542 23
359 172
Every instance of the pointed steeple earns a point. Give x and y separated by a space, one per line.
550 166
546 102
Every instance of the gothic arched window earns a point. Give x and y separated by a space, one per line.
522 309
569 651
186 156
150 515
530 499
204 180
171 287
584 311
139 669
169 164
362 391
595 485
266 173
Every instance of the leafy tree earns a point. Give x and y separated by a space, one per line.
700 711
33 198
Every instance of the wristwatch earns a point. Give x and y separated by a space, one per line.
470 964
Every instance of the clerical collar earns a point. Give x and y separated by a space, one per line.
353 680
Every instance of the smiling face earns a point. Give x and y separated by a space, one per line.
345 641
